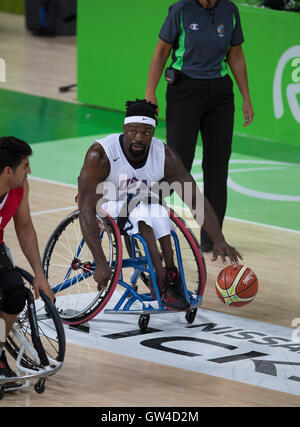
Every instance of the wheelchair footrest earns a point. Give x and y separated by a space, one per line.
32 374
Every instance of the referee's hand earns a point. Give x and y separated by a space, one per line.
248 113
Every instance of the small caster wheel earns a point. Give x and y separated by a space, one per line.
2 392
143 322
39 387
190 315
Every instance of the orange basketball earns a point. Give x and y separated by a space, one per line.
236 285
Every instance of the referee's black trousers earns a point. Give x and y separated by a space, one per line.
205 105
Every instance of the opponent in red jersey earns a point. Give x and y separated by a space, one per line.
8 207
14 190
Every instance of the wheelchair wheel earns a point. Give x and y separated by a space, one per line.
69 267
50 330
192 259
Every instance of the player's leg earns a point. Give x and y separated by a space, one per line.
9 320
153 223
167 251
5 370
13 297
13 302
158 228
147 232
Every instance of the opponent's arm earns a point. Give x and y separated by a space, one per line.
186 187
95 170
29 244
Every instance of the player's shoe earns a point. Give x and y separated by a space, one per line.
7 372
171 292
172 295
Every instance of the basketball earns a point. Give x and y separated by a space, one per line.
236 285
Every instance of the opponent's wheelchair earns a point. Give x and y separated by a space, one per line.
69 266
36 342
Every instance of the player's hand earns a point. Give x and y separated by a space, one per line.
223 249
102 275
40 283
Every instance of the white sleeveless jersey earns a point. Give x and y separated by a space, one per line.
125 178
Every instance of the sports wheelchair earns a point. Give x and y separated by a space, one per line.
36 342
69 266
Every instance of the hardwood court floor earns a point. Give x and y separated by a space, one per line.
92 377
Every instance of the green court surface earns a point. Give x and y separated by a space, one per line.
38 119
263 184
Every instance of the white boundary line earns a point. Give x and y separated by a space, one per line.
260 224
63 184
51 181
68 208
245 221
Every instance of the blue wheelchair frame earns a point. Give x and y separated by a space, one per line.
130 295
144 264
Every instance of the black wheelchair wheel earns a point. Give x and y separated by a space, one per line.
49 337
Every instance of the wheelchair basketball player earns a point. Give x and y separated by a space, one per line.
14 190
129 162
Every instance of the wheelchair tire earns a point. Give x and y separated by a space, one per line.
67 257
50 330
191 255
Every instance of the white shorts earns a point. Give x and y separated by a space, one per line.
154 215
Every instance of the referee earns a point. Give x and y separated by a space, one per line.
203 37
